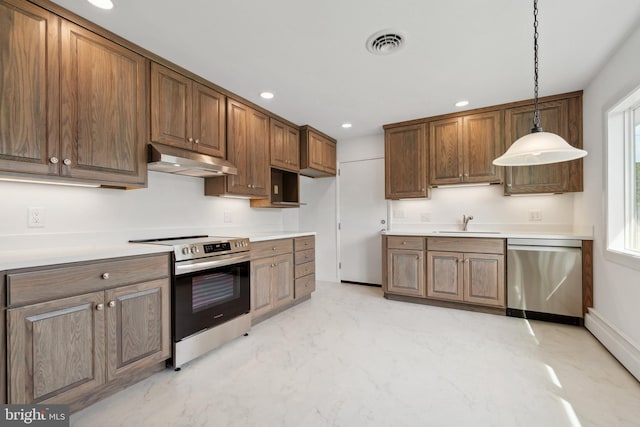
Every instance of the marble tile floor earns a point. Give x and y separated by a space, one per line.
349 357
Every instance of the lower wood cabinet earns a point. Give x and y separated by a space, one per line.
466 269
405 266
305 270
463 270
67 350
272 276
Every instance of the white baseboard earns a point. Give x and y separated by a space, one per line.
625 350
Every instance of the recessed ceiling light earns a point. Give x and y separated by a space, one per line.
346 125
102 4
462 103
267 95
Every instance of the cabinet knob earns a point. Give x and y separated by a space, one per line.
422 189
67 162
53 160
100 307
190 139
197 141
466 175
404 243
112 304
460 176
273 248
105 276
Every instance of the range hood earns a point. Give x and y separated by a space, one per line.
164 158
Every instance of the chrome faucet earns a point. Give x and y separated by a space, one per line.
465 221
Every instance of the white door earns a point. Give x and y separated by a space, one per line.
363 214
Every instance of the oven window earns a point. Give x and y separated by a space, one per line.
213 289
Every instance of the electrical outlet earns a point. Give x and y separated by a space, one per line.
425 217
227 217
35 217
535 215
275 189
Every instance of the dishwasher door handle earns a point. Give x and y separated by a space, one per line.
543 248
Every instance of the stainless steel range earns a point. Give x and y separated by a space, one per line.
210 293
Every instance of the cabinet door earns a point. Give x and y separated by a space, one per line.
277 144
283 280
261 292
29 88
445 151
316 151
484 279
482 142
138 327
551 178
405 162
258 153
209 115
405 272
56 349
292 148
237 141
329 157
444 280
171 107
103 109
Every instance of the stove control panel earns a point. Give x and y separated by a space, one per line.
211 249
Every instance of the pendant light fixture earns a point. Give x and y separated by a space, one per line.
538 147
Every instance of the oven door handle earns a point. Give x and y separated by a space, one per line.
219 261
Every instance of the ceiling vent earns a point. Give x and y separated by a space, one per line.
385 42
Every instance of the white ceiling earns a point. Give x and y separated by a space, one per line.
312 54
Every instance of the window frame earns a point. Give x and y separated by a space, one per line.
621 231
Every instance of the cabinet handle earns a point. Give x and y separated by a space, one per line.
404 243
105 276
53 160
112 304
197 141
460 176
273 248
466 175
100 307
67 162
190 139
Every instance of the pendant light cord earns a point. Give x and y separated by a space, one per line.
536 112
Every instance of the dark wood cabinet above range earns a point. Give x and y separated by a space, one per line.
186 114
462 147
62 114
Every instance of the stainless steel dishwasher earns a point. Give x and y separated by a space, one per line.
544 279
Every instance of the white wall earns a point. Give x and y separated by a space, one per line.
616 288
171 205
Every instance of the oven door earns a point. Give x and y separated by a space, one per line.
208 292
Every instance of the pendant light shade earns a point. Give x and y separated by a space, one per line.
538 147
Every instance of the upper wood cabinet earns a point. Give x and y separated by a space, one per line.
285 146
405 162
103 109
562 117
186 114
73 104
317 153
248 148
29 99
462 149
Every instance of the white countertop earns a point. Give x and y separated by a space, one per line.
21 258
492 235
37 256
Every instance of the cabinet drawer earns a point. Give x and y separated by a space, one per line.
303 243
305 285
305 256
54 283
271 248
305 269
466 244
404 242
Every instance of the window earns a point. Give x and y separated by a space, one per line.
623 181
